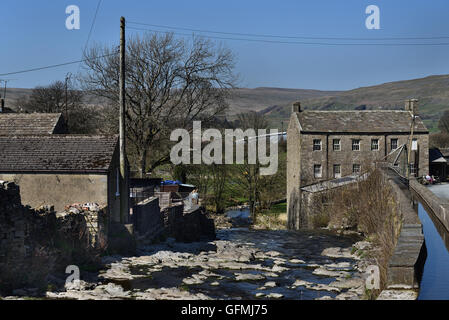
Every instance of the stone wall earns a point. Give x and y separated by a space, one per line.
147 219
293 173
12 225
346 157
438 206
406 263
314 200
34 242
96 222
189 226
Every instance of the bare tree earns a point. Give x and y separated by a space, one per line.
169 83
250 173
439 140
52 99
443 123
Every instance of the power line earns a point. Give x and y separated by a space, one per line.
91 27
287 37
298 42
55 65
71 62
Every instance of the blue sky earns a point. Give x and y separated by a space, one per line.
33 34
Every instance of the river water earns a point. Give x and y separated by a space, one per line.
435 278
304 245
240 264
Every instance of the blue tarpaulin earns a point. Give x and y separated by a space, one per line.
165 182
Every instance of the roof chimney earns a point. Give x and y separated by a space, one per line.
296 107
412 106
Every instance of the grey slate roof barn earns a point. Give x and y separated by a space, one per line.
59 169
57 153
31 124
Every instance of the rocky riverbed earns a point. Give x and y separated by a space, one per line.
240 264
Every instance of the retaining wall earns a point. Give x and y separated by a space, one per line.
147 219
406 263
439 207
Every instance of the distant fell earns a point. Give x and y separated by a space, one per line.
432 92
275 103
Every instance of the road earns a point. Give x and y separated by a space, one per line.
441 190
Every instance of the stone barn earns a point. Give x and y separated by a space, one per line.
62 169
327 145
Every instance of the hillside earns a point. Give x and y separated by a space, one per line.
259 99
432 92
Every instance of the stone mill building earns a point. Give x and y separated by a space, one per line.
328 145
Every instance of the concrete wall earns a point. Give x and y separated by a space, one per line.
60 190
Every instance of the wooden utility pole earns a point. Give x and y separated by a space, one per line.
124 191
412 106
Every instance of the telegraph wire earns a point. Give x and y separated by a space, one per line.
92 25
296 42
287 37
241 39
91 29
70 62
56 65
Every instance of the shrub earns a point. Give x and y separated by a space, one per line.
370 207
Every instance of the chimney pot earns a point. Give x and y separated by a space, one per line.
412 106
296 107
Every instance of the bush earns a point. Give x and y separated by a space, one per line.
370 207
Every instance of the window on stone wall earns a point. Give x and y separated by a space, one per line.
336 145
317 171
316 144
394 144
413 169
356 168
374 144
337 171
355 145
415 144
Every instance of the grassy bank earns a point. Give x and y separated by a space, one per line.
274 218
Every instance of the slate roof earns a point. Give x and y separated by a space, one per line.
366 121
57 153
28 123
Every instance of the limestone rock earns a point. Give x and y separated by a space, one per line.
398 295
275 295
248 277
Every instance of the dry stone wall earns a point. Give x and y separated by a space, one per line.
12 225
35 242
